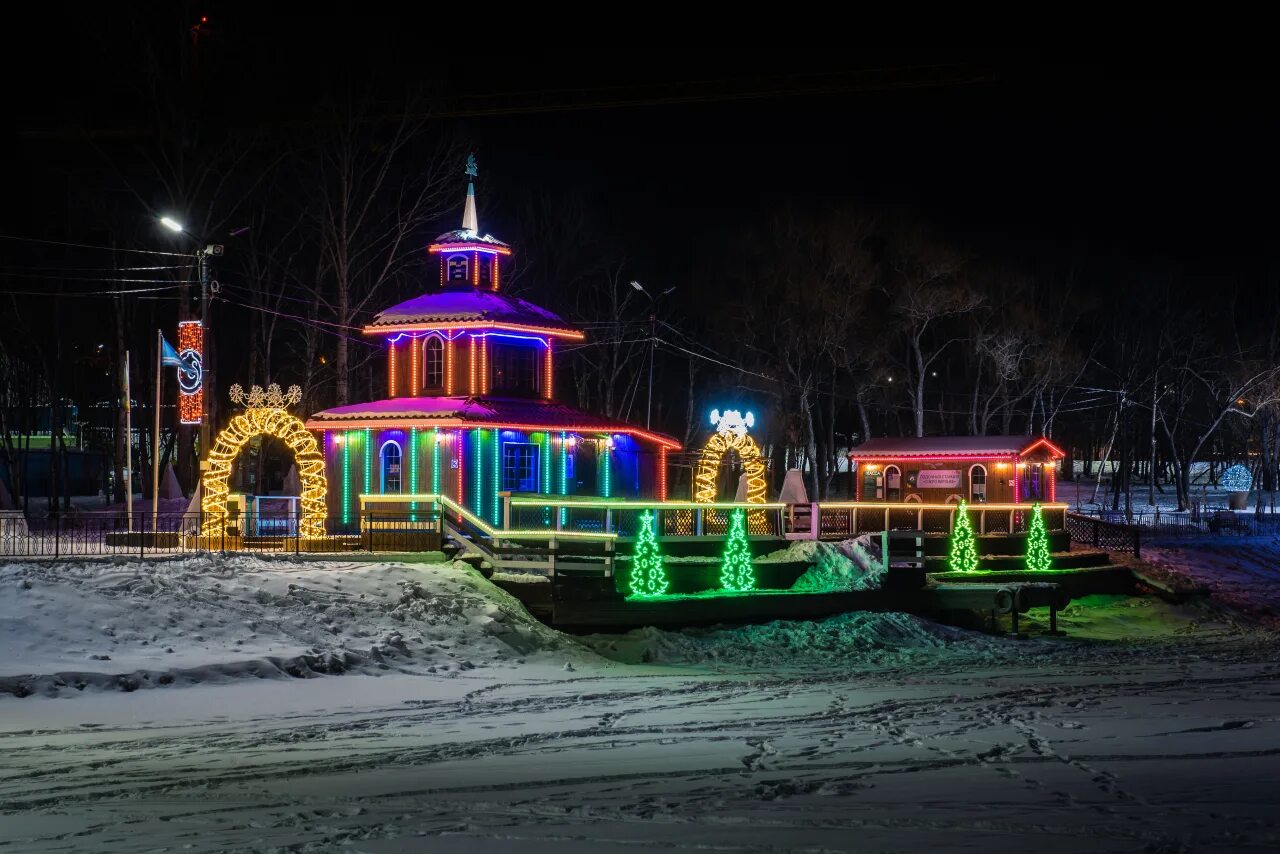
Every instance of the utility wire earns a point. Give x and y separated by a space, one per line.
92 246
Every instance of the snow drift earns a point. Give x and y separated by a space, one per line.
71 626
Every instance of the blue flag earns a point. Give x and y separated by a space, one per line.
169 356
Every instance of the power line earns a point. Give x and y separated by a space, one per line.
92 246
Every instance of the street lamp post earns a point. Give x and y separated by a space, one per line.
203 254
653 342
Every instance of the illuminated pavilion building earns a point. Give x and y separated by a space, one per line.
471 410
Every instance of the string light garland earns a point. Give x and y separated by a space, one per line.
413 471
1038 558
964 548
391 372
265 415
736 571
648 575
731 435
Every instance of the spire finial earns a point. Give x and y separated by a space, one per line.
470 222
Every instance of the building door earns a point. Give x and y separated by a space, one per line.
1034 487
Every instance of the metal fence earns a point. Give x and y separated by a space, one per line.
1101 534
1202 522
104 534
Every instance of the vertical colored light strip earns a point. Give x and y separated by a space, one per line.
391 371
475 268
457 445
606 473
413 472
448 363
477 456
564 472
662 472
495 273
497 477
544 483
473 389
548 379
346 477
484 364
415 356
435 461
1017 483
368 459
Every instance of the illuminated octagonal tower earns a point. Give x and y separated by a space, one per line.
471 410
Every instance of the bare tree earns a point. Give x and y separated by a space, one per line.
376 188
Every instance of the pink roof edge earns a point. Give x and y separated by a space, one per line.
480 412
929 446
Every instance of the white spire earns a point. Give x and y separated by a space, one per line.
469 220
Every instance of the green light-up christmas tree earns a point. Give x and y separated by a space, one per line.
648 574
964 547
1038 542
736 572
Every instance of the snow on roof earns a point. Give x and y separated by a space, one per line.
468 305
478 411
960 445
467 235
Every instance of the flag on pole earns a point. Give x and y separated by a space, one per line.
168 355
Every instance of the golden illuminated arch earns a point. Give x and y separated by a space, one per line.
265 416
704 487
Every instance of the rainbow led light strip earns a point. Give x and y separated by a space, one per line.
486 528
548 379
368 459
477 439
451 423
413 470
391 371
662 474
468 246
497 477
346 477
473 325
606 473
633 504
435 461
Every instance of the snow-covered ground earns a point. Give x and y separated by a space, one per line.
460 724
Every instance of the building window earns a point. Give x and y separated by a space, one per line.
978 484
390 468
872 484
457 266
433 358
515 369
519 467
892 483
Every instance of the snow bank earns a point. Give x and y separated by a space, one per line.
837 567
860 637
70 626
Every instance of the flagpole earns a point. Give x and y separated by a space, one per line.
155 443
128 446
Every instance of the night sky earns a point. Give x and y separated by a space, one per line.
1096 171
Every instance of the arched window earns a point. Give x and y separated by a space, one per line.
457 267
977 484
433 362
892 483
390 467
